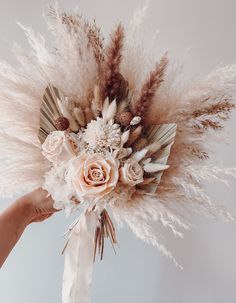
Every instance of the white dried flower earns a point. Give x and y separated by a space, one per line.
102 134
125 137
136 120
155 167
122 153
111 111
139 155
60 190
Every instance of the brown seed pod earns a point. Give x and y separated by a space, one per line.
62 123
125 118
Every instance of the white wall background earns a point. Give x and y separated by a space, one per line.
138 273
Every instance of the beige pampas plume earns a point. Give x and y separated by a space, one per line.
137 59
111 79
213 115
96 41
74 60
139 15
74 23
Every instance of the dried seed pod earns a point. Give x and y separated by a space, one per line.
147 181
62 123
125 118
121 107
88 114
155 167
125 137
134 135
79 115
136 120
139 144
111 111
66 113
139 155
97 103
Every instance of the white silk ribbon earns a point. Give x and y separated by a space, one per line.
79 255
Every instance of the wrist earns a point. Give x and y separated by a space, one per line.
26 210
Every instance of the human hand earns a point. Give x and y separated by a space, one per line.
38 205
33 207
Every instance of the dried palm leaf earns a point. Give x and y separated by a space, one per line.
163 134
53 106
49 112
162 137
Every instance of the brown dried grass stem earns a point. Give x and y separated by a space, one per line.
105 229
111 78
149 88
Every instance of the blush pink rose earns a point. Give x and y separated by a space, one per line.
94 176
58 147
131 173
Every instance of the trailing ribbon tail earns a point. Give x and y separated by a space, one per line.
79 257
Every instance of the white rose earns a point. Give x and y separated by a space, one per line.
94 176
58 147
131 173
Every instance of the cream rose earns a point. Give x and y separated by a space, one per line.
131 173
58 147
94 175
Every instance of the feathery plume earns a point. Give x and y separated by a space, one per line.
75 23
212 115
111 79
96 41
150 87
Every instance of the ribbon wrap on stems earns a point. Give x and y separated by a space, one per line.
79 257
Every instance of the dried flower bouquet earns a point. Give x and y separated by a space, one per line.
107 128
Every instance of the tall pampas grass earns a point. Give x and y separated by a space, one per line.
110 80
149 88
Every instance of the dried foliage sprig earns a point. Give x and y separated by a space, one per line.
105 229
148 91
111 79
